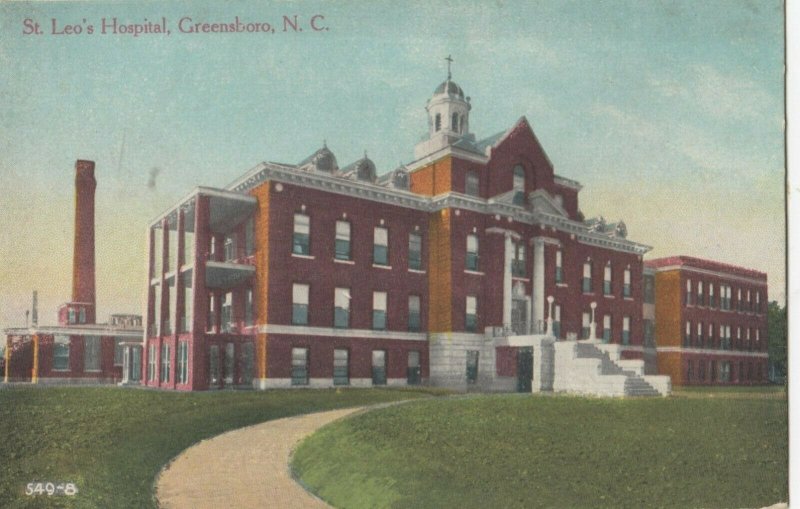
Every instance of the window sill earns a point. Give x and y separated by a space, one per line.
562 285
346 262
631 298
417 271
304 257
520 278
92 370
385 267
608 296
474 272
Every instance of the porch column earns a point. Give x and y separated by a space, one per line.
537 288
8 359
507 259
35 369
198 363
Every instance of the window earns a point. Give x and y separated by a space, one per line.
165 362
302 234
341 367
626 330
518 262
626 283
739 300
342 242
91 353
749 301
471 319
712 371
70 315
82 315
299 366
151 362
585 325
379 367
607 329
711 301
250 237
454 122
437 123
607 279
519 185
758 302
700 334
119 351
649 338
379 310
711 335
183 362
472 366
701 371
61 353
341 310
300 304
472 252
472 185
739 337
725 371
557 321
248 307
413 313
587 277
688 292
687 335
230 248
414 372
689 371
700 297
559 269
380 246
414 251
227 312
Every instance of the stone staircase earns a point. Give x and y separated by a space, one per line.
595 368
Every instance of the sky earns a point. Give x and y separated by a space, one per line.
670 113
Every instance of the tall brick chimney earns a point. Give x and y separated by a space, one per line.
83 254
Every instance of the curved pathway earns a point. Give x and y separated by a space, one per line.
244 468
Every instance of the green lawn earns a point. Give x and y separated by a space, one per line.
112 442
525 451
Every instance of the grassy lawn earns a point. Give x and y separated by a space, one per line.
112 442
521 451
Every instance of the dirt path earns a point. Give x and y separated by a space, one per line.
244 468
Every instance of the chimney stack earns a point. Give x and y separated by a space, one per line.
83 255
35 310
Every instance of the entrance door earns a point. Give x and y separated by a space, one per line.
214 378
413 375
519 316
379 367
524 369
230 363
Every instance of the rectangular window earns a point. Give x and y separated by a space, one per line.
739 299
700 334
559 269
82 315
342 242
231 249
414 251
341 367
302 235
626 330
688 292
183 362
227 312
700 297
300 304
701 371
587 277
585 325
607 280
379 310
151 363
471 317
472 252
165 359
379 367
472 186
61 353
607 329
413 313
518 262
250 237
689 371
687 335
472 366
119 351
626 283
725 371
649 339
414 374
299 366
91 353
650 289
711 301
557 321
380 246
341 310
248 307
70 316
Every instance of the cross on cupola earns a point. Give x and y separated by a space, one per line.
449 61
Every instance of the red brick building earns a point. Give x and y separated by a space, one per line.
316 275
77 350
710 322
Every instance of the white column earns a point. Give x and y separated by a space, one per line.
537 288
509 255
593 324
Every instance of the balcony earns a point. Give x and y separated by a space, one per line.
235 269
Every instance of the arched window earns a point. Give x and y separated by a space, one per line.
454 122
463 124
437 125
519 178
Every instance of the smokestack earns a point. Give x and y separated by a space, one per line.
35 310
83 254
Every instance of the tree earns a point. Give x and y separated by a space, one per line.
776 331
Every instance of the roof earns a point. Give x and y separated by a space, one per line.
700 263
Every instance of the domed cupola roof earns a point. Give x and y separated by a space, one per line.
321 160
365 169
449 88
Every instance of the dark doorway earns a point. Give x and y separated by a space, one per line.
524 369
